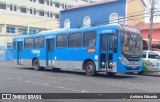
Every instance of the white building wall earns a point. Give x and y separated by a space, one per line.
18 19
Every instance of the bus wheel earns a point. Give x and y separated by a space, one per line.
90 68
36 65
111 73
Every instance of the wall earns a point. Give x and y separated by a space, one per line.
98 13
135 7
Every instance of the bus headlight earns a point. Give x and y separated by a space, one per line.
122 60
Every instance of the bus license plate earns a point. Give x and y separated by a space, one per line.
133 67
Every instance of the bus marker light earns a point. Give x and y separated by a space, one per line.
91 50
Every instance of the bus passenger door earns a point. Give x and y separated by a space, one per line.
107 51
19 59
50 50
111 50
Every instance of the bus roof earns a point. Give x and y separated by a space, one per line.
63 31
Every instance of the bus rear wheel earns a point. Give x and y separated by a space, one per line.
36 65
90 68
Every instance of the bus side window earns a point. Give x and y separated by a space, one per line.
14 45
111 42
90 39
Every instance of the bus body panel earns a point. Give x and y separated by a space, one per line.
74 58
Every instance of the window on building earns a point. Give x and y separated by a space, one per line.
62 5
41 1
34 0
9 45
67 24
23 9
34 11
57 4
47 2
31 0
39 42
113 18
24 31
11 7
57 16
29 43
31 11
15 8
2 5
75 40
32 31
62 41
90 39
51 15
87 21
10 29
51 3
41 13
47 14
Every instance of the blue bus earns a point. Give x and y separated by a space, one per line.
109 48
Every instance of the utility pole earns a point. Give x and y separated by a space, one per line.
152 2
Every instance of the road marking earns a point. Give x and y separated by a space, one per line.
46 84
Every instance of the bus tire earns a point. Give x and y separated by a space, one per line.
36 65
111 73
90 68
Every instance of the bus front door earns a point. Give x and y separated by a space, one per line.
107 51
50 49
19 59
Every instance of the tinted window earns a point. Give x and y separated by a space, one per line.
29 43
2 6
111 41
36 42
62 41
153 55
75 40
39 42
14 44
103 42
90 39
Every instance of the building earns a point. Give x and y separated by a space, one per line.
30 16
20 17
135 12
145 29
103 12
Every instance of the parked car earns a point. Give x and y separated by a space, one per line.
151 61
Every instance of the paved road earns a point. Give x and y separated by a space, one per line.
20 79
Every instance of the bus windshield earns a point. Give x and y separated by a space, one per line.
131 44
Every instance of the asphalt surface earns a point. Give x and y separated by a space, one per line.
23 79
